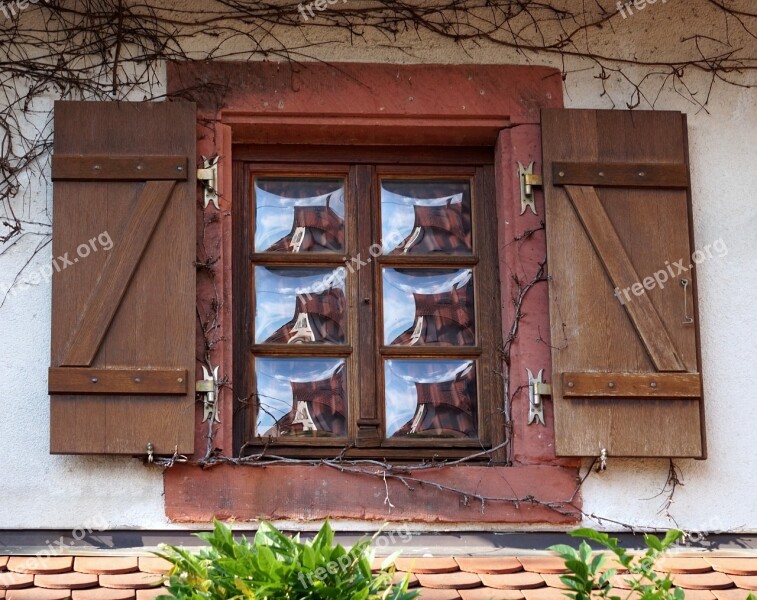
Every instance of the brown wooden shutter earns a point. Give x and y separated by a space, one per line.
626 367
123 329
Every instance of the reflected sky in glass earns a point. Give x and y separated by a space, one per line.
399 286
274 390
274 213
401 394
398 214
276 290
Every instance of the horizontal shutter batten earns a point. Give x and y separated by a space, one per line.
119 168
73 380
632 385
672 175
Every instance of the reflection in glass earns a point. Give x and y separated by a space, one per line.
299 215
296 305
428 307
431 398
426 216
301 397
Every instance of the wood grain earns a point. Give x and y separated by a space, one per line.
119 168
590 329
674 175
632 385
153 329
72 380
623 276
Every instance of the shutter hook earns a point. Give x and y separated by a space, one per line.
150 451
687 320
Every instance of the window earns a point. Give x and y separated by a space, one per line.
372 295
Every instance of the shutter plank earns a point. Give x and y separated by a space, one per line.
126 168
153 327
622 274
592 334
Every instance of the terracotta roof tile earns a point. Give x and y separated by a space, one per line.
107 577
154 564
449 581
553 581
729 566
732 594
684 565
40 565
106 565
439 595
487 593
544 594
745 582
400 575
101 593
427 565
703 581
152 593
513 581
543 564
72 581
134 581
699 595
15 581
37 593
492 565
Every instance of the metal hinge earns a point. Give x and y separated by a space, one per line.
208 177
536 389
207 385
528 181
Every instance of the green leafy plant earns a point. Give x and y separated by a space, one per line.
274 566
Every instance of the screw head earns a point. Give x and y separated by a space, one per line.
570 384
180 380
653 384
561 173
94 380
611 385
179 168
642 174
601 173
137 380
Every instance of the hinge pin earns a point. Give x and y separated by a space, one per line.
208 176
528 180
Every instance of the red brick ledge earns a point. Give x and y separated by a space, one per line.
309 493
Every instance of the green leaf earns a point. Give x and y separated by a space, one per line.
564 550
653 542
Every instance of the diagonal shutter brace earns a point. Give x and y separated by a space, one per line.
208 177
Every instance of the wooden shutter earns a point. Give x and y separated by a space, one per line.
626 367
123 329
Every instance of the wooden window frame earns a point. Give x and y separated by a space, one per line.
362 169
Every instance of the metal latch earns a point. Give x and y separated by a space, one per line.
207 386
536 389
528 180
208 176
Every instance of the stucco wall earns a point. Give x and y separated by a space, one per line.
720 494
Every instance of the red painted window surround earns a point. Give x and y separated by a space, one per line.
351 103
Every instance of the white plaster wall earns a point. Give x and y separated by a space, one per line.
42 491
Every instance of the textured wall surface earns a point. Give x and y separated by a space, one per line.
38 490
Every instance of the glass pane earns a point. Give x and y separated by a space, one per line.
301 397
295 305
431 398
299 215
428 307
425 216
